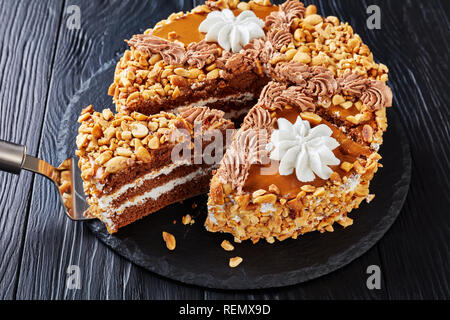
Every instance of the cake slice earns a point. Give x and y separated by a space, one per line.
133 165
303 158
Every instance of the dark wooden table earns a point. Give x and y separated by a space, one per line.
43 64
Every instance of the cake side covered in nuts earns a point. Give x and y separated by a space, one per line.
131 164
181 62
303 158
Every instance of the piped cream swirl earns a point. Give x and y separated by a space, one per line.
307 151
230 32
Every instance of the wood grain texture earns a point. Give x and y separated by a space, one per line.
52 242
28 35
45 74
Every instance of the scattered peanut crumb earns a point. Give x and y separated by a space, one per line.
370 197
234 262
170 240
186 219
227 246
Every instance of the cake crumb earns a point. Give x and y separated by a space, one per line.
234 262
174 221
194 205
227 246
169 239
186 219
369 198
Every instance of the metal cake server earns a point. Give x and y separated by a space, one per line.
67 177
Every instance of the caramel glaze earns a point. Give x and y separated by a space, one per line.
262 176
338 115
342 112
186 27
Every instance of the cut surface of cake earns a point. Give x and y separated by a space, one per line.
221 54
133 165
314 103
303 158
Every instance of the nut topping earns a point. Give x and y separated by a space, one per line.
143 155
234 262
367 133
139 130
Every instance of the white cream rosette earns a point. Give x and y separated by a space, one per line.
308 151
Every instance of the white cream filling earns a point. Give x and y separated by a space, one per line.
105 201
153 194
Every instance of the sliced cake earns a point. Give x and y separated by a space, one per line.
133 165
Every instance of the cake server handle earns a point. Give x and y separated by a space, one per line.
67 178
12 156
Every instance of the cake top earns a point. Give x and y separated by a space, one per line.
232 32
110 143
176 57
312 128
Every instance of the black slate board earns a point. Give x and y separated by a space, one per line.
198 258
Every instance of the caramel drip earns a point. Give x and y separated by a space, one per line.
262 176
186 27
260 11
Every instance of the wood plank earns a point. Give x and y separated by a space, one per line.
53 242
28 39
416 249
